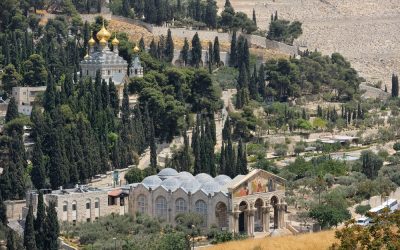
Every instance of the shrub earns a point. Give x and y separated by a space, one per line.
362 209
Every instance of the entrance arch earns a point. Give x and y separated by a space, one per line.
221 214
243 207
274 204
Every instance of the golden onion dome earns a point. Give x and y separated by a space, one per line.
103 42
115 41
91 42
86 56
103 33
136 49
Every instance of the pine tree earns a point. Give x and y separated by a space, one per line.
196 50
52 228
216 55
153 147
254 17
233 53
169 47
39 223
38 174
12 110
211 14
395 86
185 52
29 232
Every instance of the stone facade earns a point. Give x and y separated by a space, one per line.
25 97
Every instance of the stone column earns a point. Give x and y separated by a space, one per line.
276 215
266 217
282 214
235 221
250 226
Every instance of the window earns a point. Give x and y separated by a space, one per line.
87 205
142 204
74 222
87 72
201 208
136 71
111 201
180 206
119 71
161 207
122 201
65 207
74 207
96 204
88 220
108 72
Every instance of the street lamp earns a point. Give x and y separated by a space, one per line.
115 243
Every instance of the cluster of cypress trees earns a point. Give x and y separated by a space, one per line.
232 163
203 143
164 49
348 112
41 233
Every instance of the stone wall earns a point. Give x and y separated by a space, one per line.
14 209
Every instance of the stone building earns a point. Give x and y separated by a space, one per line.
246 204
109 63
26 96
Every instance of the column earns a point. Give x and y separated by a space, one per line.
236 221
266 217
282 215
251 222
276 215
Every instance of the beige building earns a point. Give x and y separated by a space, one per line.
26 96
246 204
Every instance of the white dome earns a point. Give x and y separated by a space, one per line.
152 181
222 179
166 172
211 187
171 183
191 185
203 178
185 176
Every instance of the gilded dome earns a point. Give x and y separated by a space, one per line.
136 49
115 41
86 56
91 42
103 33
103 42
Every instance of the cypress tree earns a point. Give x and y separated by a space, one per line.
233 53
12 241
169 47
40 223
114 99
253 85
395 85
230 168
254 17
12 110
38 174
142 46
17 165
52 228
153 49
57 168
196 145
222 160
29 232
241 167
210 54
125 112
196 50
216 56
153 147
261 81
3 212
185 52
49 100
186 154
211 14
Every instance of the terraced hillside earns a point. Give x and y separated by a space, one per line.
367 32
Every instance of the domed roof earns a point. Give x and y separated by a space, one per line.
171 183
115 41
222 179
136 49
211 187
185 176
91 42
103 42
191 185
152 181
103 33
167 172
203 178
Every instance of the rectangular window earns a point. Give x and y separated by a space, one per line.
74 222
87 205
65 208
96 204
122 201
73 207
88 220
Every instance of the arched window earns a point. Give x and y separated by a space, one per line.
96 208
180 206
201 208
142 204
161 207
